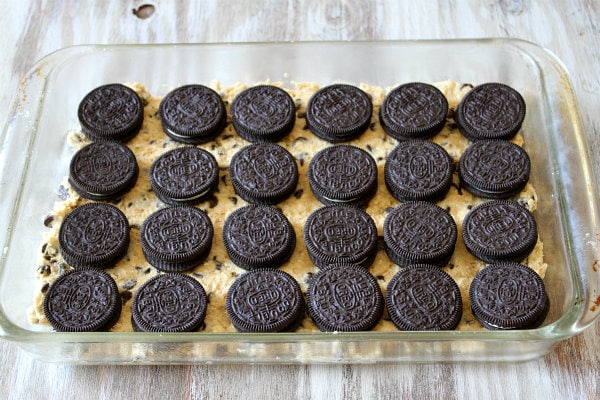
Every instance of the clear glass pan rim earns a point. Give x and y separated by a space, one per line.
565 326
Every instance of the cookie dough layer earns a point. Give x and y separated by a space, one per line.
217 273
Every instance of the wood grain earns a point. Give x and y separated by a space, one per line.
570 29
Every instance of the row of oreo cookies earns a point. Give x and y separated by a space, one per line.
258 236
266 173
340 297
196 114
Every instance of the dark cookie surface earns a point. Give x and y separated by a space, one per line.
343 174
258 237
263 113
423 297
339 113
82 300
263 173
169 303
419 232
94 235
500 230
418 170
192 114
344 298
340 234
103 170
490 111
186 175
111 112
413 110
494 169
176 238
265 300
508 296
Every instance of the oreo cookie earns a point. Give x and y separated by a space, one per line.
176 239
343 174
339 113
422 297
340 234
508 296
192 114
418 170
103 170
94 235
263 113
419 232
263 173
111 112
499 230
344 298
490 111
257 236
265 300
185 175
494 169
83 300
169 303
413 111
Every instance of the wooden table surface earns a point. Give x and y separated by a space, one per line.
571 29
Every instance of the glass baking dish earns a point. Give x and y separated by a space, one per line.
34 157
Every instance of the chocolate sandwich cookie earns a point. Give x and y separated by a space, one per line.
339 113
343 174
419 232
94 235
340 234
186 175
423 297
176 239
494 169
508 296
263 173
82 300
413 111
258 237
418 170
103 170
344 298
192 114
500 230
169 303
490 111
265 300
111 112
263 113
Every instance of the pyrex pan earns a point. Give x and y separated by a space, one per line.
34 157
